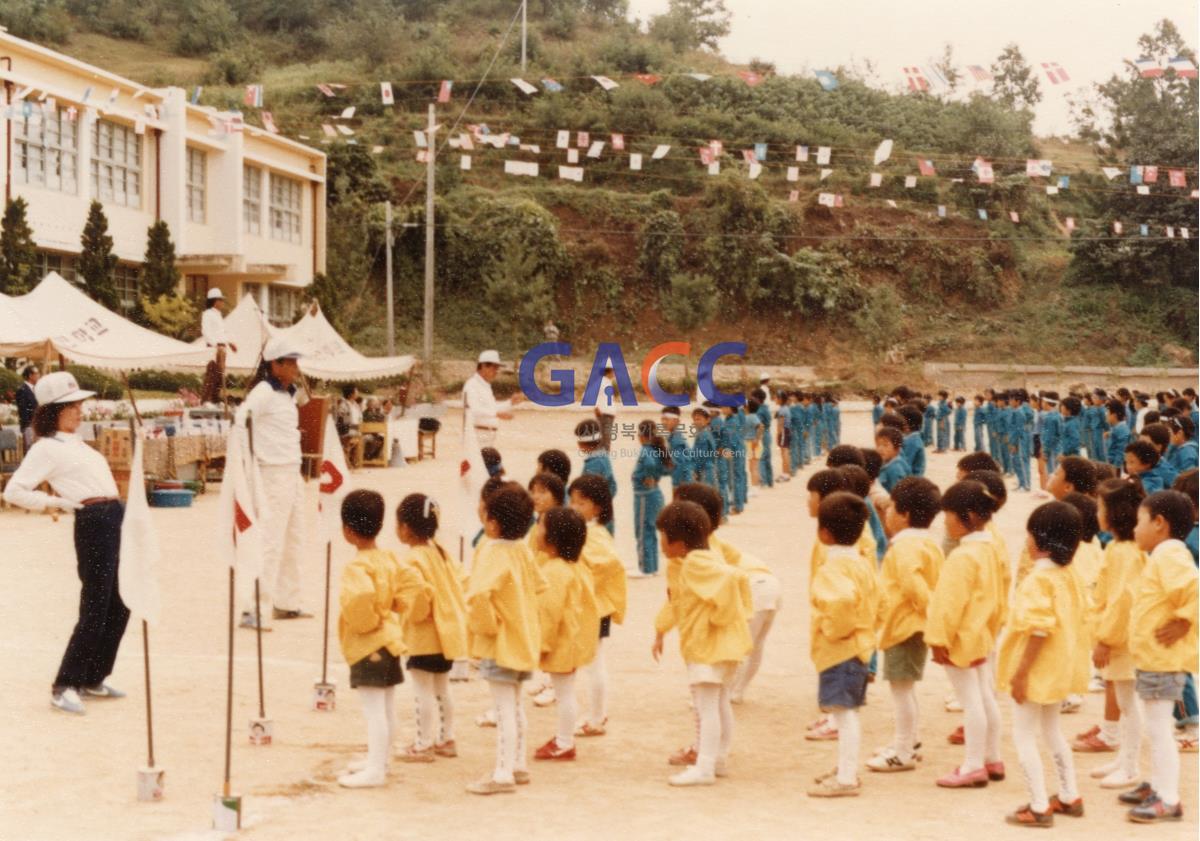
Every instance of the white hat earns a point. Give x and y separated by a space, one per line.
216 294
763 376
59 387
489 357
280 347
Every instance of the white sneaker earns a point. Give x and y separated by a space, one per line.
1072 704
1119 779
692 776
952 705
487 719
544 698
363 779
536 687
1096 684
889 761
722 768
67 701
1102 771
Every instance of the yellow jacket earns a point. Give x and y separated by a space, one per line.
865 547
1166 590
539 557
608 573
502 606
844 598
568 617
376 591
441 626
736 557
1049 603
709 601
968 595
1003 562
1113 596
906 581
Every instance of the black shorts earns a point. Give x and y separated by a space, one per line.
1037 446
605 627
381 669
434 663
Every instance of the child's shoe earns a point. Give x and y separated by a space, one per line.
1142 794
958 737
362 779
522 778
1155 811
957 779
488 786
587 729
1093 743
414 754
447 749
1025 816
1071 810
551 750
830 787
692 776
995 771
683 756
486 719
952 705
544 698
826 733
1071 704
888 761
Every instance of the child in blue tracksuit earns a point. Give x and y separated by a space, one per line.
1051 432
595 458
740 486
816 423
999 431
960 424
784 417
796 415
1023 415
766 470
653 462
1071 439
913 448
717 426
979 421
876 410
995 433
930 421
1099 426
942 412
833 421
1118 434
702 457
682 469
729 440
1183 454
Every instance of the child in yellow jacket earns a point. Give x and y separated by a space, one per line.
961 627
843 599
502 628
1162 638
709 602
568 617
376 593
547 491
591 499
906 581
1119 500
1041 662
436 634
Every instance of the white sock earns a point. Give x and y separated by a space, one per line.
708 703
597 673
1060 751
504 697
521 756
568 708
441 687
426 700
1026 720
1110 731
1131 727
975 724
991 709
904 696
725 705
760 626
1164 753
849 739
377 712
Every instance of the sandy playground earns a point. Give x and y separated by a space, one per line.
71 778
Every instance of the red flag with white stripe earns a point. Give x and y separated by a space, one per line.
1055 73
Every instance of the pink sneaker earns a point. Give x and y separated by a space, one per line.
995 771
957 779
826 733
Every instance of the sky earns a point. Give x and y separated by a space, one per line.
1089 38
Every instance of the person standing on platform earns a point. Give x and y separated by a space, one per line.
27 404
212 328
484 412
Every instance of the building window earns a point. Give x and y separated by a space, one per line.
284 305
116 164
197 165
125 281
285 208
252 200
46 153
62 264
253 290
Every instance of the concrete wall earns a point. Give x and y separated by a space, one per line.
973 377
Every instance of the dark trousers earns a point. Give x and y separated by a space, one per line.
92 649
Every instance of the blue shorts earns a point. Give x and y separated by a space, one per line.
489 670
843 686
1160 686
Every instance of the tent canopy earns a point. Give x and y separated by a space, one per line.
56 317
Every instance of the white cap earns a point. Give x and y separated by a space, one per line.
590 437
489 357
216 294
763 376
280 347
59 387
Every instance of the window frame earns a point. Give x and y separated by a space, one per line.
117 163
286 203
252 204
50 148
196 172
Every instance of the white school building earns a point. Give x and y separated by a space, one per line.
246 208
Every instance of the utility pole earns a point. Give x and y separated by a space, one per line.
391 314
431 146
524 33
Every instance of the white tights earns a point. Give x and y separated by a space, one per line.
1131 727
904 697
714 714
1028 719
510 730
760 626
568 708
849 742
432 692
377 709
1164 753
981 715
597 675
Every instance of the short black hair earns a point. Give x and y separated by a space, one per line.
1173 507
706 496
492 460
844 454
843 515
1086 506
1055 528
1080 472
28 371
970 501
919 498
994 482
420 514
1072 405
914 418
594 488
1104 470
1116 408
551 483
362 513
890 434
977 461
556 462
1121 499
1186 484
511 508
565 531
1159 435
872 462
825 482
349 389
1144 451
493 484
892 420
686 522
857 480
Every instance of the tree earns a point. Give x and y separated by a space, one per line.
160 276
1013 80
518 292
661 249
19 270
97 261
947 66
206 26
172 315
690 301
691 24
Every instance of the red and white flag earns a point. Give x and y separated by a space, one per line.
1038 168
583 139
925 166
137 574
1148 68
618 142
386 94
1177 177
1183 67
1150 174
983 171
1055 73
335 483
706 155
240 508
444 91
979 73
751 78
327 90
916 79
268 121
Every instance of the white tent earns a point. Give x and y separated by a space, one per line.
328 356
56 317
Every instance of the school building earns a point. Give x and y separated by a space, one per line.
246 208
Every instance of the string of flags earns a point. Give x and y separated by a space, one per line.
1149 68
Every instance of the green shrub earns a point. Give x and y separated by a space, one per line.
660 252
10 381
1147 355
89 379
880 319
690 301
169 381
206 26
235 66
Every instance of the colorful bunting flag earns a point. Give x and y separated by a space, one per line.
595 150
826 80
347 113
1170 232
1148 68
891 204
748 155
1051 190
825 173
802 154
751 78
699 77
465 142
1177 178
386 94
925 166
563 139
419 139
706 155
823 153
1064 182
826 199
1150 174
1185 233
345 131
1055 73
268 121
718 148
1183 68
883 151
941 211
714 168
254 96
551 85
760 151
1014 216
648 78
444 90
635 160
618 142
1038 168
876 179
982 214
660 152
793 173
528 168
582 139
794 196
1070 223
910 181
1110 172
523 86
979 73
605 82
755 170
1117 228
572 156
571 173
916 79
1144 230
983 171
1143 190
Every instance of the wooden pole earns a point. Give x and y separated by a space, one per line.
229 686
262 713
149 707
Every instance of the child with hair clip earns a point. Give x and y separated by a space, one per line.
703 454
960 424
589 498
653 462
942 413
376 596
595 459
708 601
547 491
569 620
1041 661
961 627
906 581
435 630
1182 453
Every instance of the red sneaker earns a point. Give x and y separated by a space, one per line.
1092 744
683 756
551 750
1071 810
958 737
995 771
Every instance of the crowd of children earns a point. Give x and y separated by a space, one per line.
1107 581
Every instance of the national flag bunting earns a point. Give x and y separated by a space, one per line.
1183 67
1177 178
386 94
925 166
1055 73
444 90
648 78
605 82
916 79
751 78
979 73
254 96
551 85
826 80
1148 68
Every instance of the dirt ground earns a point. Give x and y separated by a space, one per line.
75 777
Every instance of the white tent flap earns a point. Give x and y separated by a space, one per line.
327 356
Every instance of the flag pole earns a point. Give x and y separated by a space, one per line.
262 713
229 688
325 634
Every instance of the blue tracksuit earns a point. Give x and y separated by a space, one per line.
647 502
1185 457
740 477
703 458
766 470
876 414
833 421
893 472
718 430
930 422
597 463
877 532
683 470
1052 422
1193 544
960 427
1118 440
1155 479
913 452
816 427
1070 437
1001 417
980 422
802 428
796 430
1099 427
995 434
1024 417
942 417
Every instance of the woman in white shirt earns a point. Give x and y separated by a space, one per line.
83 483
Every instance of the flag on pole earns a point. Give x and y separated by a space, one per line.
883 151
335 484
386 94
1183 67
925 166
826 80
751 78
1177 178
523 86
268 121
551 85
1148 68
979 73
1055 73
239 508
137 574
605 82
916 79
1035 168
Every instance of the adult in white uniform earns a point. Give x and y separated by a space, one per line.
271 406
212 329
82 483
480 406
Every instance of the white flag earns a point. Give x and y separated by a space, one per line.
570 173
335 483
793 173
348 113
941 211
386 94
910 181
825 173
605 82
1110 172
635 160
714 168
239 507
660 152
802 154
572 156
755 170
883 152
564 139
137 575
1051 190
891 203
346 130
523 86
823 153
464 162
419 139
529 168
876 179
595 149
825 199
